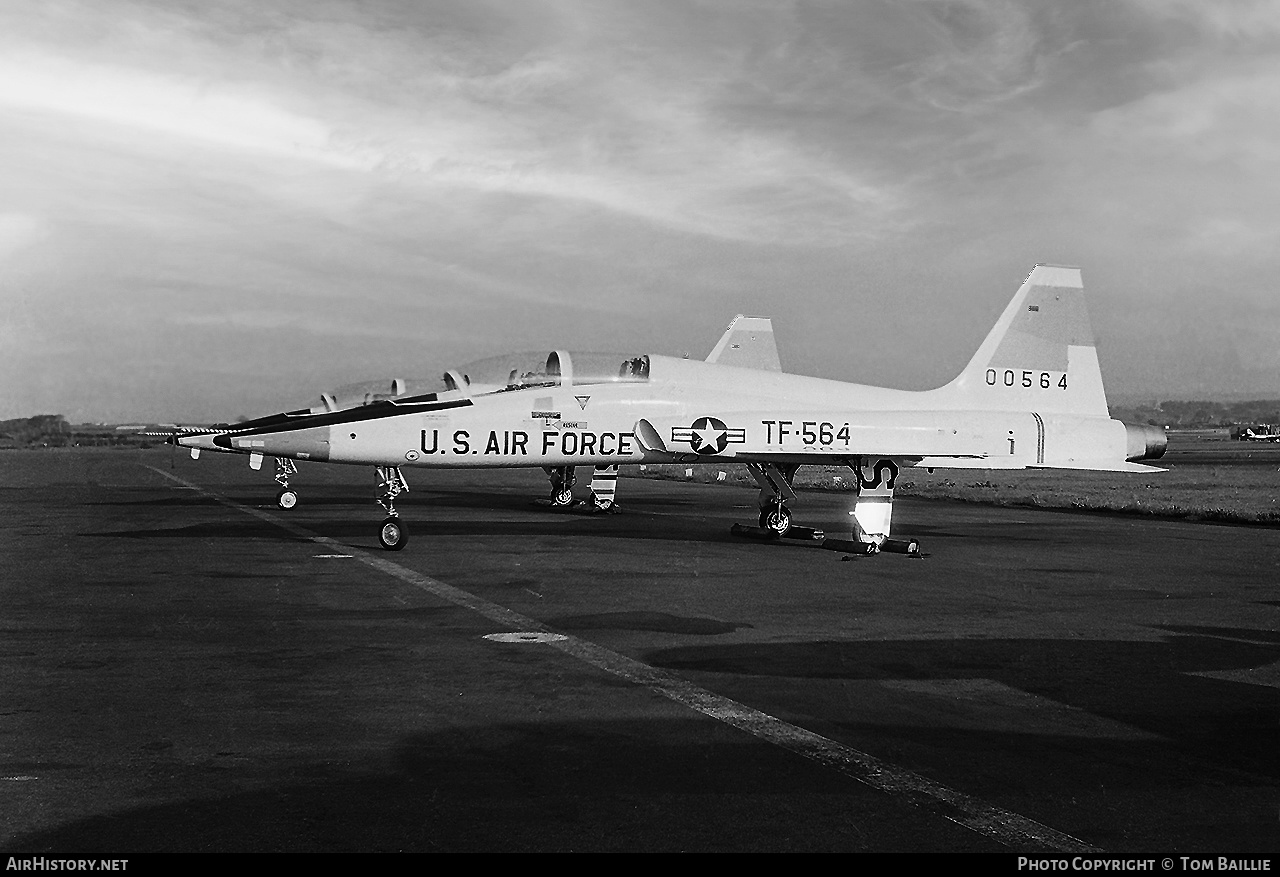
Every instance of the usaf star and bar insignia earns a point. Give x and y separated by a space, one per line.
708 435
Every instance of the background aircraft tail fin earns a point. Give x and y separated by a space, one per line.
1041 355
748 343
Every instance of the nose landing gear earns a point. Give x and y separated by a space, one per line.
286 498
391 532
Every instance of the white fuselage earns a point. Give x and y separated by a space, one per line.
765 415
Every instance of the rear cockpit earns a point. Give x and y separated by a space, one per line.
560 368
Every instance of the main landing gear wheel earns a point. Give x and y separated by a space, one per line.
392 534
776 519
562 481
287 499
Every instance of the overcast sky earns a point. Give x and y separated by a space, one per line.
216 209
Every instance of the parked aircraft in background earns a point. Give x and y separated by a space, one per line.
1265 436
1031 397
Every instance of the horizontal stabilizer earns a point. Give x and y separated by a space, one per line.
1099 466
971 463
748 343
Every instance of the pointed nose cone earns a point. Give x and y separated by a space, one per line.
202 441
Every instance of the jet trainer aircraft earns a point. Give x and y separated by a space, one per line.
1031 397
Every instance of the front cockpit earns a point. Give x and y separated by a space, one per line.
495 374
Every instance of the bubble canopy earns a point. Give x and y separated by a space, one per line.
494 374
521 371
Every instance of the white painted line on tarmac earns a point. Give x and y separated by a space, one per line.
987 820
525 636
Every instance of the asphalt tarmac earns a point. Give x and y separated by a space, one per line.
185 667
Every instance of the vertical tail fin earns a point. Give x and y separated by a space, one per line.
1040 356
748 343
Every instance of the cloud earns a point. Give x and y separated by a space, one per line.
217 114
1223 116
1234 20
582 119
979 52
455 176
19 231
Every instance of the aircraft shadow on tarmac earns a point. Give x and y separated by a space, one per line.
427 515
359 533
595 785
683 784
1148 685
187 499
320 499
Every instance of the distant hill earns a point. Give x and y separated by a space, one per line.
53 431
1201 414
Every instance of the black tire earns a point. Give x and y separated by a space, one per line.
562 498
287 499
392 534
776 519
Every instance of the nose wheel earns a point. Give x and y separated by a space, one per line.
392 534
287 499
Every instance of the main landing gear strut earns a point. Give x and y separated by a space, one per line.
603 489
870 517
562 480
775 481
391 533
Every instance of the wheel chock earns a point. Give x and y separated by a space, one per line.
750 532
850 546
910 547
